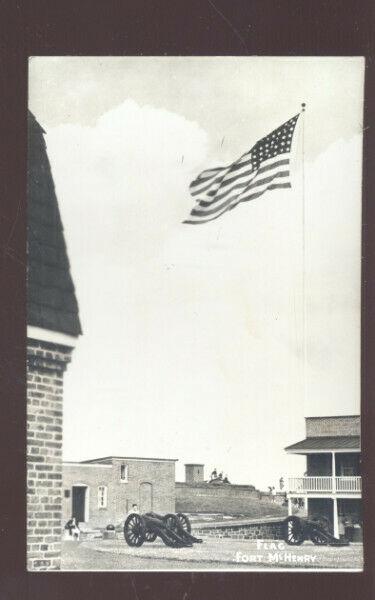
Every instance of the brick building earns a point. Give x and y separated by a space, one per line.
52 329
331 485
101 491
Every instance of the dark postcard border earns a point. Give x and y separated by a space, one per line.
162 27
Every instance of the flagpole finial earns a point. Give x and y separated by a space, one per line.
303 105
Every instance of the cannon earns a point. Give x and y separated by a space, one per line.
297 530
173 529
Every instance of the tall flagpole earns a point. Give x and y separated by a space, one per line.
303 108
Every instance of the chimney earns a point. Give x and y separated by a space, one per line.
194 473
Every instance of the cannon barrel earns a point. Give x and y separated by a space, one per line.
296 530
173 529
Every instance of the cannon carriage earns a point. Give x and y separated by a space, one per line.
173 529
297 530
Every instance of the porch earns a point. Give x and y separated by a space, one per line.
325 484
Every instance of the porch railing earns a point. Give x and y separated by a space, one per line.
310 484
325 484
348 484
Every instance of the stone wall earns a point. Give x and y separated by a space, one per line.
333 426
46 363
229 499
262 530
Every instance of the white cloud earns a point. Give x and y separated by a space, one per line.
123 177
200 324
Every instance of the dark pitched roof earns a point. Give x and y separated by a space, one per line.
345 442
51 299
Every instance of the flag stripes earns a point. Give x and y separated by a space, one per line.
264 167
246 195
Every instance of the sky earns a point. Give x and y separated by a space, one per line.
192 344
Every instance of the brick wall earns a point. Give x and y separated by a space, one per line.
120 495
229 499
333 426
267 530
46 363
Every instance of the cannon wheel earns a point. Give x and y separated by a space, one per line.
150 536
171 520
318 538
184 522
293 531
135 530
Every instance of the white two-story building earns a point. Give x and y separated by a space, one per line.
331 486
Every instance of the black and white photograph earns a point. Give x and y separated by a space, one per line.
194 313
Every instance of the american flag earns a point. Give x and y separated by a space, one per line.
264 167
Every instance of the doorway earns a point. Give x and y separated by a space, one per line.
79 503
145 497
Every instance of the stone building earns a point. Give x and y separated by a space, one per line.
331 486
52 329
101 491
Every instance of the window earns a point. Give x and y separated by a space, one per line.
102 496
124 473
347 470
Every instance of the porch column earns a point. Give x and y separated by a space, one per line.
335 519
306 506
333 472
290 510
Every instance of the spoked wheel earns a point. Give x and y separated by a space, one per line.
184 522
150 536
174 526
293 531
318 538
135 530
172 522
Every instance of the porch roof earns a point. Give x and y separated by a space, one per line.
329 443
